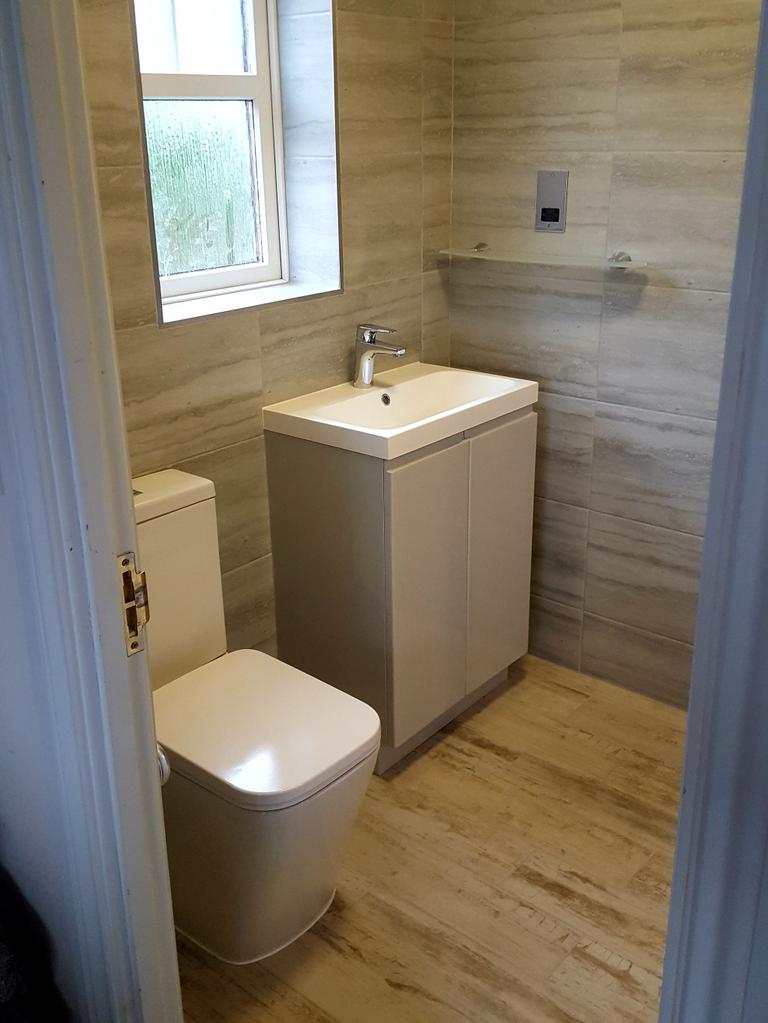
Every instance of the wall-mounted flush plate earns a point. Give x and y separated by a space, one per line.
551 200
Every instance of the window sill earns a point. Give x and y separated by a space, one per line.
211 305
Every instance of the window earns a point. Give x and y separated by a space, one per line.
214 144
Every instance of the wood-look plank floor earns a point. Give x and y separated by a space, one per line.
515 868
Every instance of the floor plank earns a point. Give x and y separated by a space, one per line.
515 868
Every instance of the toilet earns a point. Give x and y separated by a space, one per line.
268 765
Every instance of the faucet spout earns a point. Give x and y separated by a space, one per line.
367 347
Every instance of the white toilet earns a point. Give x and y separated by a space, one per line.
268 765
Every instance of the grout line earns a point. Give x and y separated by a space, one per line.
635 628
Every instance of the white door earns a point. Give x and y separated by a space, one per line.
81 825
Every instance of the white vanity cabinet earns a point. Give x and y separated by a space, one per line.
405 582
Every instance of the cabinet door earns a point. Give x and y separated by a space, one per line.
426 512
502 464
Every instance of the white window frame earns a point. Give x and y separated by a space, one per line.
261 88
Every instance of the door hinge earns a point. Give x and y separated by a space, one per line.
135 602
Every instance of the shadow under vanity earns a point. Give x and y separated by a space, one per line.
402 549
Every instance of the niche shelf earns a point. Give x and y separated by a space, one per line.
576 267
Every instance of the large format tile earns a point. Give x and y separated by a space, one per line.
542 79
310 345
437 160
249 604
559 552
679 213
495 199
643 575
564 449
652 467
307 85
435 322
239 474
381 216
112 81
313 220
128 244
379 84
438 10
544 328
686 74
642 661
662 348
190 389
556 631
393 8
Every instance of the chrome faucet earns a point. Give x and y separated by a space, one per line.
367 347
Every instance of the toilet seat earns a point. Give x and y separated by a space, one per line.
259 733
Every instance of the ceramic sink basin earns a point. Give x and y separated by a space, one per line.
405 409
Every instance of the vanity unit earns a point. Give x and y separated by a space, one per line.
401 527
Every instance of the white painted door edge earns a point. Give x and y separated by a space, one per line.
67 441
717 947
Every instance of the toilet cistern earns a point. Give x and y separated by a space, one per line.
367 347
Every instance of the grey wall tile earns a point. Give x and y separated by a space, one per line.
556 632
679 213
662 348
641 661
307 81
435 323
313 220
239 474
112 83
494 188
190 389
538 327
287 8
310 345
125 228
440 10
381 217
559 552
643 576
249 604
564 449
541 79
437 74
437 140
393 8
379 67
652 467
686 74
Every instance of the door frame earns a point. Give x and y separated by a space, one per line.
717 945
68 482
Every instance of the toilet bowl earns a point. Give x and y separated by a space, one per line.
268 765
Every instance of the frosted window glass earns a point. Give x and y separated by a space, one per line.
195 37
204 188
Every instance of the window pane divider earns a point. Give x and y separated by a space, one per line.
177 86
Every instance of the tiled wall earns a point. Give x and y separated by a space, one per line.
193 393
646 104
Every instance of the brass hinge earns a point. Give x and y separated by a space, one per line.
135 602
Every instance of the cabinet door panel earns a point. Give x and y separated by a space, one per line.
500 526
427 517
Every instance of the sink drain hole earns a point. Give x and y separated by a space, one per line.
385 399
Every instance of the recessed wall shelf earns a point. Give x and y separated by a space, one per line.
579 267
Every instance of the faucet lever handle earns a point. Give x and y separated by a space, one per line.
367 332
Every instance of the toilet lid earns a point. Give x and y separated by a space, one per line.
260 733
